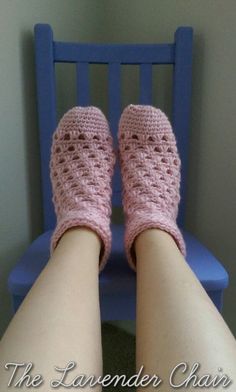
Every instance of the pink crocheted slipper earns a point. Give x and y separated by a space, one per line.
81 167
150 168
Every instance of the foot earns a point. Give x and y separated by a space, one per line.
81 167
150 168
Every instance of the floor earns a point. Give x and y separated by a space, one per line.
118 351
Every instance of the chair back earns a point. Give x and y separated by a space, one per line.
48 52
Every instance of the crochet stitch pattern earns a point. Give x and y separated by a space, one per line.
150 168
81 168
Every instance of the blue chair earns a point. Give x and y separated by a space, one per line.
117 281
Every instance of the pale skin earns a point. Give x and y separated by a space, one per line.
59 320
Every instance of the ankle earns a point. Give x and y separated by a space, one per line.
80 240
151 239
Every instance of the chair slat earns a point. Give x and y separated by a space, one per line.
182 104
82 78
115 53
46 97
114 96
145 97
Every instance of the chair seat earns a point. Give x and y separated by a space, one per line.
117 280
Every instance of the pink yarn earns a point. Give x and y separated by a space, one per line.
150 168
81 167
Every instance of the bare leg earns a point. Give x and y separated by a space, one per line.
59 321
176 321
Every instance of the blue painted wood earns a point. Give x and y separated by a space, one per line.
82 78
114 100
17 301
114 96
182 104
145 84
46 97
217 298
106 53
